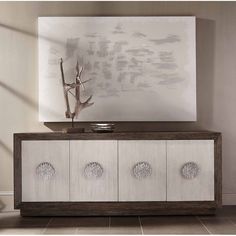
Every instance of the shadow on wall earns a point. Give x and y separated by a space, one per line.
2 206
205 46
28 33
19 95
24 98
6 148
205 71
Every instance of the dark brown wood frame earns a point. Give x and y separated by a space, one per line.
117 208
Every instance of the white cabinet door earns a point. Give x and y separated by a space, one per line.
45 171
93 170
190 170
142 170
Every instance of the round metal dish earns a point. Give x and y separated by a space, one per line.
102 128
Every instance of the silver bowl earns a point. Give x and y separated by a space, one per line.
102 127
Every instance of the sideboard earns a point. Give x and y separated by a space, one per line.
128 173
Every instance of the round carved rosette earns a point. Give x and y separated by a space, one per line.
45 171
93 170
190 170
142 170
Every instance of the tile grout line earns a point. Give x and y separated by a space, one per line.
140 223
204 226
46 226
230 221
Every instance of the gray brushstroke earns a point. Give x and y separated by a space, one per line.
134 76
91 35
88 66
172 38
149 60
118 29
91 49
166 56
121 76
136 62
100 85
118 47
143 85
118 26
107 74
80 60
71 46
93 73
54 51
140 51
96 65
106 65
120 65
169 78
118 32
171 81
139 35
166 66
103 48
120 57
110 93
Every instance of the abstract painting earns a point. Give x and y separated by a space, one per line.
138 68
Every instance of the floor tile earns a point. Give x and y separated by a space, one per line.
60 230
64 221
219 226
125 225
21 230
172 225
93 225
13 219
62 225
224 212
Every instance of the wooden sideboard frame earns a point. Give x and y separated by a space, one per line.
118 208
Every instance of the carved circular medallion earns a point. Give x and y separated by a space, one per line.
45 171
142 170
190 170
93 170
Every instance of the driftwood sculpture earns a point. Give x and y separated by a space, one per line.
69 88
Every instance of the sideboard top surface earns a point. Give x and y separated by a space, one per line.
119 135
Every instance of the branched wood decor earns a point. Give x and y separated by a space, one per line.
68 87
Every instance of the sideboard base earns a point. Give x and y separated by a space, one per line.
115 209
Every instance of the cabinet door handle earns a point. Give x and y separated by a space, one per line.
190 170
93 170
45 171
142 170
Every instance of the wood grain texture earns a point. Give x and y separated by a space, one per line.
103 188
116 208
35 188
120 136
200 188
151 188
17 172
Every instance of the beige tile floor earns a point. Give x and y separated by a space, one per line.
224 222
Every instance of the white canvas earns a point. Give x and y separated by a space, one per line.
141 68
